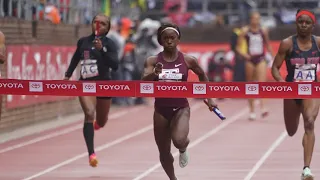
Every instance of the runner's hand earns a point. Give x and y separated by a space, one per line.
210 103
97 43
158 68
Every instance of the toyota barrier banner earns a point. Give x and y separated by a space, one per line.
161 89
37 63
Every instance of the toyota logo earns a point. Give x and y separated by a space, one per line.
252 88
199 88
36 86
89 86
146 87
304 88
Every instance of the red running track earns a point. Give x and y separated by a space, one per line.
236 148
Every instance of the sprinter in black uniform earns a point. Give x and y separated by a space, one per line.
98 54
301 54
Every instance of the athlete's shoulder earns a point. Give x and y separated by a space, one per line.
108 40
317 38
286 44
82 39
151 59
188 57
244 29
287 40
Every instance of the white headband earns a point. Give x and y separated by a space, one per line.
171 29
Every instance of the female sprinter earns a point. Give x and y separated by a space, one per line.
97 54
256 66
301 54
171 116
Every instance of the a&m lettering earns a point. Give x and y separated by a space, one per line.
297 61
313 60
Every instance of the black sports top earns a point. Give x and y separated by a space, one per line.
95 64
302 65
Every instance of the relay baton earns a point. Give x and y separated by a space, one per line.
216 111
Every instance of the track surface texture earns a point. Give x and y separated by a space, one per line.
234 149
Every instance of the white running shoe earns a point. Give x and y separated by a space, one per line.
306 174
183 159
252 116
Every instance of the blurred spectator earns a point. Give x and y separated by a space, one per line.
52 13
219 21
239 65
217 65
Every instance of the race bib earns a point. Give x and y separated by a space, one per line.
89 68
170 76
301 75
256 45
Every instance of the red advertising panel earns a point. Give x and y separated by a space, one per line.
37 63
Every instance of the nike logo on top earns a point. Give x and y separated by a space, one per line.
177 65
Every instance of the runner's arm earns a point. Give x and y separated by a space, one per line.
193 64
74 61
148 73
3 55
195 67
279 59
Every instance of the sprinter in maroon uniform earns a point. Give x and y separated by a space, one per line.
257 40
171 116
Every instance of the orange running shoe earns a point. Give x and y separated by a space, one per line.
93 160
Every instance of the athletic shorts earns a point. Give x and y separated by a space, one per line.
298 101
168 112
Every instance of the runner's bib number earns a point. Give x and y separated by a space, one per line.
256 46
89 68
170 76
304 75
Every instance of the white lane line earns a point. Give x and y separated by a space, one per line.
265 156
62 132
